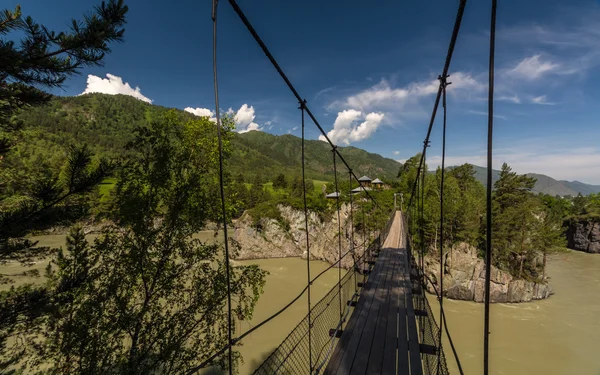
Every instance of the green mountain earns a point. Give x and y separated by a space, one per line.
268 155
545 184
106 123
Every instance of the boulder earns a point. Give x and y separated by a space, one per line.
272 240
584 235
464 279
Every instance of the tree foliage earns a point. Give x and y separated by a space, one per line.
45 58
526 227
147 297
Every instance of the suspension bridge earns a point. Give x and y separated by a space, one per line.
377 318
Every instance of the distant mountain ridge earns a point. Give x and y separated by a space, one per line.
268 155
107 122
545 184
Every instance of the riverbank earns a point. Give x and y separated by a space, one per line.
464 279
555 336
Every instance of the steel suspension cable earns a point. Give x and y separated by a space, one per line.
422 265
460 370
444 83
352 228
268 54
488 242
454 37
231 340
337 202
309 281
222 190
423 176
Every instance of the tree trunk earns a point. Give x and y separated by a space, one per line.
522 254
521 267
544 268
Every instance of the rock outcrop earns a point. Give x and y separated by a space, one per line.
584 235
464 279
274 240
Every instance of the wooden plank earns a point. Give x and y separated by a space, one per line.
353 328
367 340
403 361
414 352
385 323
359 346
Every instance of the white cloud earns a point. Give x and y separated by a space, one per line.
112 85
244 119
396 153
512 98
346 130
541 100
533 67
482 113
200 112
251 126
384 95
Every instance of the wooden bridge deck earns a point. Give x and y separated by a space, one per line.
381 334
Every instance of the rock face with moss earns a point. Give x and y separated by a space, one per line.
285 236
584 235
464 279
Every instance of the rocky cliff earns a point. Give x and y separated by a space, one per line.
272 239
464 279
584 235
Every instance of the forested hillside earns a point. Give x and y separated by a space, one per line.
544 184
106 124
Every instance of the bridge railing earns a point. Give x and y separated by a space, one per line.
432 351
292 356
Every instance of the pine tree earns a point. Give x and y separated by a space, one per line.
43 59
280 182
513 208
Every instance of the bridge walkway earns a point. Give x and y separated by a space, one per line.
381 334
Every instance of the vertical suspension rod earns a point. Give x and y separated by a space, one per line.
309 281
222 190
488 241
337 200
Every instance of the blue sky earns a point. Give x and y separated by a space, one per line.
368 69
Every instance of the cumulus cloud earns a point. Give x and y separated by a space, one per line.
200 112
244 119
533 67
541 100
113 85
383 94
347 129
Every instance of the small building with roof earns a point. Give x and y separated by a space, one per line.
360 189
334 195
365 181
377 183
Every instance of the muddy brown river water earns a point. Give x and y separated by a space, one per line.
557 336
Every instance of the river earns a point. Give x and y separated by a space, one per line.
556 336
